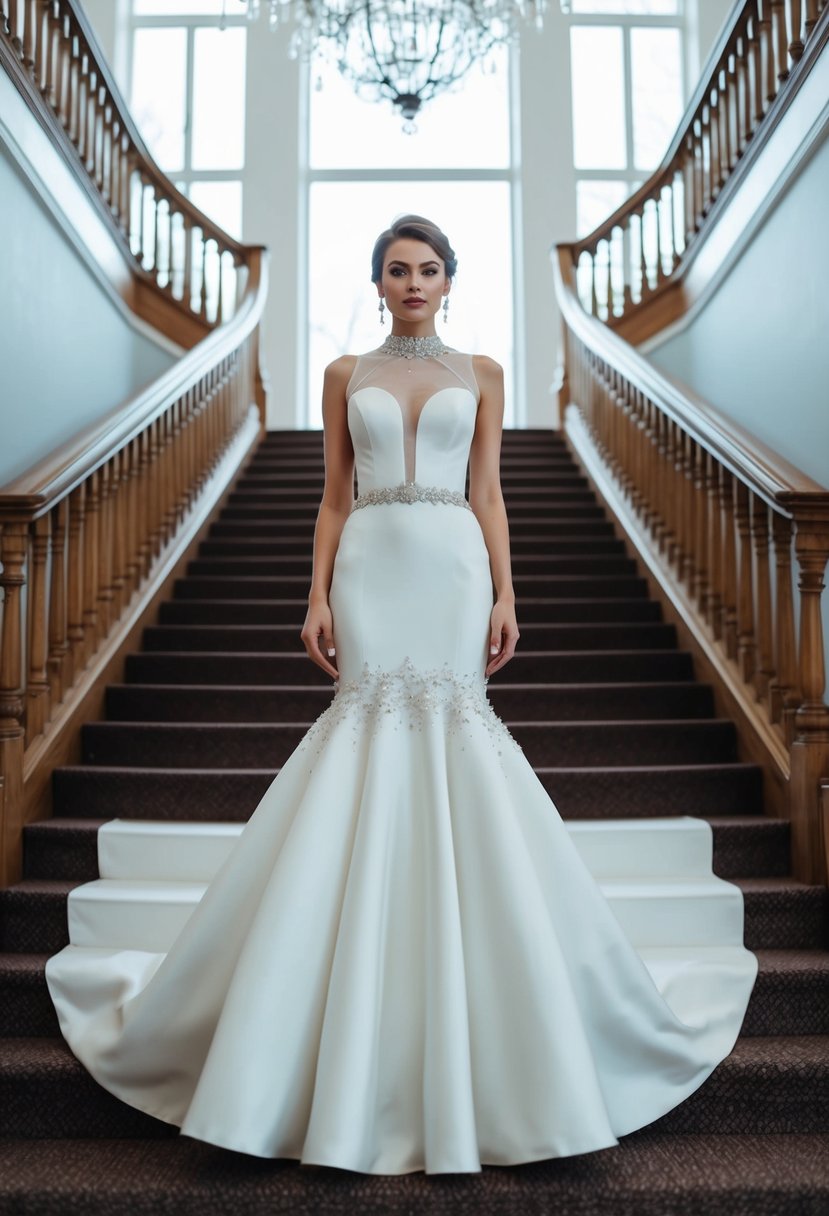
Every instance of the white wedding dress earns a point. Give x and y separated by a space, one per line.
404 961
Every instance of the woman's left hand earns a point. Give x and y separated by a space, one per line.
503 630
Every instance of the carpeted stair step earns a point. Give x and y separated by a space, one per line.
526 566
244 548
46 1093
751 845
579 793
606 610
567 667
766 1085
298 531
743 845
544 702
272 638
26 1008
791 995
535 514
782 914
253 745
33 916
532 586
646 1175
627 792
69 847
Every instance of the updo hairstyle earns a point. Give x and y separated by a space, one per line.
419 229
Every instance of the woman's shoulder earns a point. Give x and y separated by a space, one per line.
486 368
341 369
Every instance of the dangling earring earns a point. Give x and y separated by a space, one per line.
382 308
445 309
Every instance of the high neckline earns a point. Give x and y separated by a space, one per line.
414 348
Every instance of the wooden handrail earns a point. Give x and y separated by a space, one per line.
720 517
89 532
644 247
51 51
89 536
61 471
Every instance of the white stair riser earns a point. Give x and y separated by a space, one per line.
111 913
194 852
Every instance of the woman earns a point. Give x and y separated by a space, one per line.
404 964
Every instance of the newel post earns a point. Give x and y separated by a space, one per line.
13 541
810 749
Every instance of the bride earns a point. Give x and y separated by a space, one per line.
404 963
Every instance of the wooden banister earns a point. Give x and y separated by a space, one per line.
732 531
93 534
88 533
644 247
173 248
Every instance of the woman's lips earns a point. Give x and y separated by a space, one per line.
414 303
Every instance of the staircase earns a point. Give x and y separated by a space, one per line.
607 710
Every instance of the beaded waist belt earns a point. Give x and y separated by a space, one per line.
410 491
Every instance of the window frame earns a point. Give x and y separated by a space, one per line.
631 176
190 22
510 174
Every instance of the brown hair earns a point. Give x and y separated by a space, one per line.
419 229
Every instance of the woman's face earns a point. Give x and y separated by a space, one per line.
414 282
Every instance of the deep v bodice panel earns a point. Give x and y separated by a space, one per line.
412 419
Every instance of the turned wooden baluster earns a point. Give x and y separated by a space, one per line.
609 301
132 467
75 580
58 661
785 692
119 533
13 544
701 474
730 627
715 551
105 594
794 29
44 66
11 23
28 41
12 579
746 645
74 85
810 750
780 42
714 125
203 283
765 673
37 685
90 564
143 495
811 15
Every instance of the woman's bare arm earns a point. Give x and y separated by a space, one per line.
487 501
335 507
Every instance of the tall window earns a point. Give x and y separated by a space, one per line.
627 90
362 171
187 94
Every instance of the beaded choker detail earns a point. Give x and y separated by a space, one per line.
414 348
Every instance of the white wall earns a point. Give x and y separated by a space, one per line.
69 354
757 348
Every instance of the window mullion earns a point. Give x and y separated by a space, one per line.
188 93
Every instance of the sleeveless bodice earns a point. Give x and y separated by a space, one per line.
412 420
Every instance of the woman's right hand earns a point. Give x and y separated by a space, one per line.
318 636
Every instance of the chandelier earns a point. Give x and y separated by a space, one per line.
406 51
